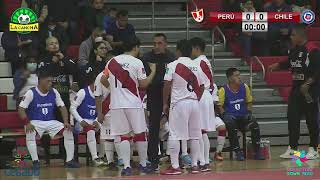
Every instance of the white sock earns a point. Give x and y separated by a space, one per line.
117 148
194 151
221 140
32 145
174 149
142 147
101 149
201 154
109 150
206 148
184 147
92 144
168 149
68 144
125 153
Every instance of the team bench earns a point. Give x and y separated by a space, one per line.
11 126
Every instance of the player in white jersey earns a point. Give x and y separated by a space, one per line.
184 83
37 110
102 95
208 118
124 74
83 109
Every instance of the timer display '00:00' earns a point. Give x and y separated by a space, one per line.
254 26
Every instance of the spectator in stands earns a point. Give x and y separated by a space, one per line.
60 10
299 5
303 60
86 46
110 18
120 31
278 33
16 45
161 56
25 78
39 7
94 16
99 56
52 28
235 104
232 6
249 38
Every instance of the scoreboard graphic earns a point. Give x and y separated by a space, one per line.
258 21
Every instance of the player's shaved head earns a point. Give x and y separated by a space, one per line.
198 43
184 47
300 30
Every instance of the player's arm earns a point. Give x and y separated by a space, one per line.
24 104
104 78
75 103
249 99
221 100
145 82
167 86
314 57
279 66
98 92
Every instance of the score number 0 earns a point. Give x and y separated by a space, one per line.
254 21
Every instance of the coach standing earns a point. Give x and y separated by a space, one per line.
161 56
303 60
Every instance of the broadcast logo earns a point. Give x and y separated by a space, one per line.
24 21
299 158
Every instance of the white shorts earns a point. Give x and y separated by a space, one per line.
207 114
52 127
219 122
124 121
184 121
105 128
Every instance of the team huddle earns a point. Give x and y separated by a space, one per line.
111 106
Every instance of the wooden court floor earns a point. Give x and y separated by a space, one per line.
272 169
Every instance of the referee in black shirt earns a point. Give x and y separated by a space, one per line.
161 56
304 62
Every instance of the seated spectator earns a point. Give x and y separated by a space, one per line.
16 45
110 18
40 8
99 56
279 33
52 28
86 46
25 78
94 16
120 31
235 104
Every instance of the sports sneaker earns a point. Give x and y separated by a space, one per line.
97 162
112 166
205 168
312 154
288 154
239 156
126 172
154 167
120 162
171 171
218 156
147 169
72 164
36 164
195 170
186 159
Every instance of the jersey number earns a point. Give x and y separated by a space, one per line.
92 112
44 111
237 107
126 75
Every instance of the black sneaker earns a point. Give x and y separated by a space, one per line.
112 166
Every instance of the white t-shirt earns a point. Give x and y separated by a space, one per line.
101 90
181 89
124 87
28 97
32 81
77 101
206 79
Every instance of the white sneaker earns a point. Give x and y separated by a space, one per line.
288 154
312 154
97 162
